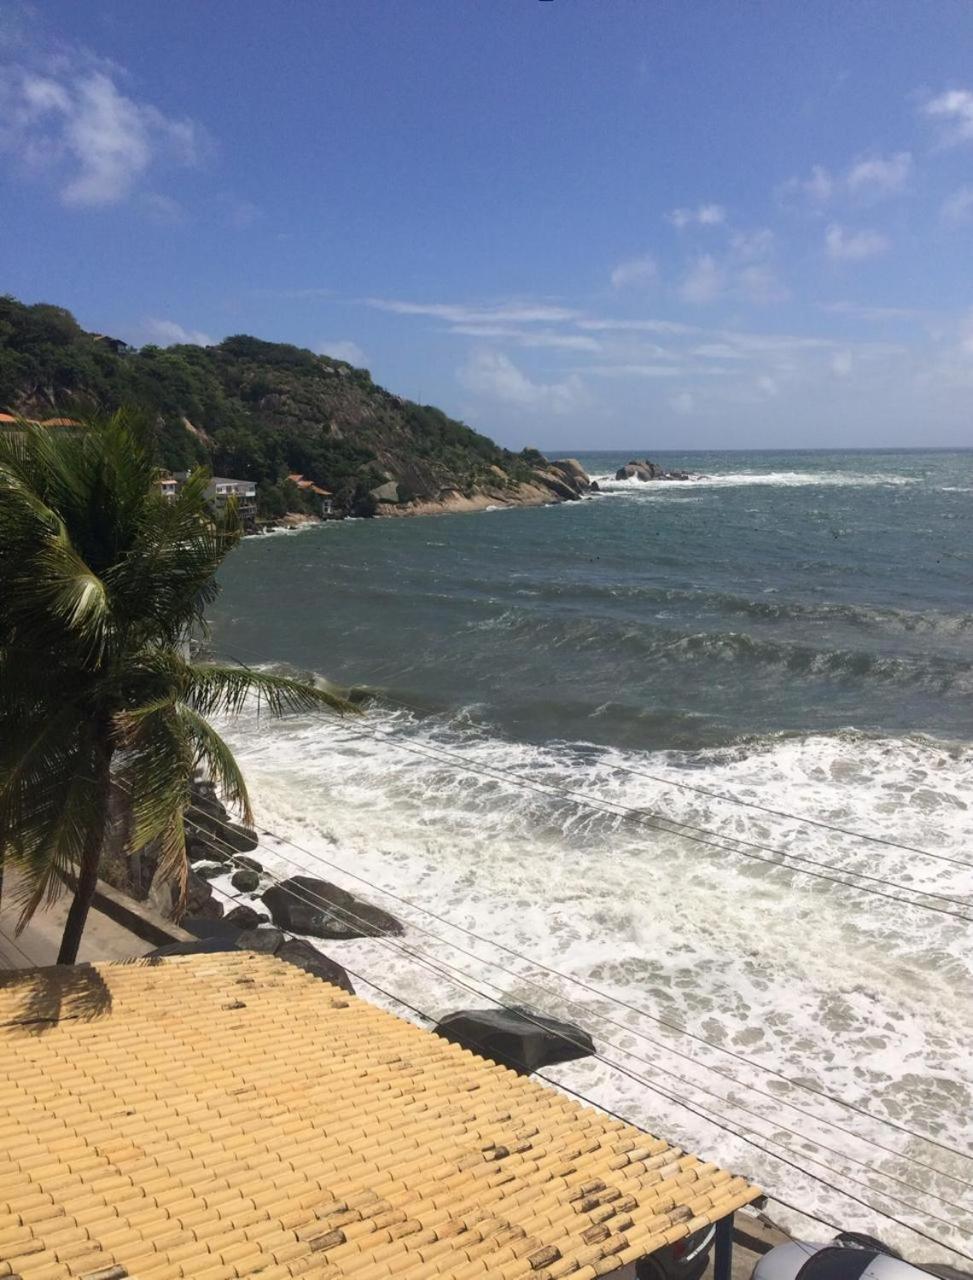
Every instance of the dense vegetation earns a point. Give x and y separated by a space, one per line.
102 582
253 409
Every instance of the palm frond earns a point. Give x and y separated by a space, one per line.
67 819
215 756
157 761
212 689
173 864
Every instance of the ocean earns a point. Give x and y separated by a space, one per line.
596 728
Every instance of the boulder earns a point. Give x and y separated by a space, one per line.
557 484
640 469
203 848
303 904
573 472
388 492
293 951
299 952
250 863
210 870
207 927
516 1038
265 940
199 898
216 836
246 881
201 946
643 469
244 917
218 832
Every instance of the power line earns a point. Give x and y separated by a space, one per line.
443 756
780 857
901 1156
750 804
309 898
320 858
804 821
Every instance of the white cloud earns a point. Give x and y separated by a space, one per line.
705 280
167 333
704 215
761 284
880 176
860 311
767 385
869 179
238 214
749 246
343 349
816 189
842 364
529 337
636 271
492 374
164 210
74 123
958 207
684 402
637 326
954 109
966 334
746 272
851 246
462 313
639 370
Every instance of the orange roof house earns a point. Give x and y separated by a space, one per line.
225 1116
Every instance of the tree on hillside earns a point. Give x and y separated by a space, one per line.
101 582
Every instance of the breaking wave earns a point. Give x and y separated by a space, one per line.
855 995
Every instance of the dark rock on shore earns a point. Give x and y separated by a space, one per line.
209 927
264 940
210 870
566 478
293 951
573 472
516 1038
298 952
246 881
304 904
251 864
643 469
244 917
199 898
218 832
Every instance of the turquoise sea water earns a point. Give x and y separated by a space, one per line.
785 592
558 688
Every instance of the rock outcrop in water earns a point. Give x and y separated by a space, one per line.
516 1038
303 904
643 469
547 482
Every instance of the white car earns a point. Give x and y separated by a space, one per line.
849 1256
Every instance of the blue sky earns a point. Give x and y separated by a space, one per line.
574 223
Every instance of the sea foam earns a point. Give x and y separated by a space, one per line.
857 996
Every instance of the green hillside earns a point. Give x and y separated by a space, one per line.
256 410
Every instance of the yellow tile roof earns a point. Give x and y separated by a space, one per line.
228 1115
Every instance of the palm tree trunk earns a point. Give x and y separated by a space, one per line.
88 871
81 904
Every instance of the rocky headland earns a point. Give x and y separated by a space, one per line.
643 469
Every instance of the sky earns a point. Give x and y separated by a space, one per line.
598 224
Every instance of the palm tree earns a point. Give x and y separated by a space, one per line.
102 580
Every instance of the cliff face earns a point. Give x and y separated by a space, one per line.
261 411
